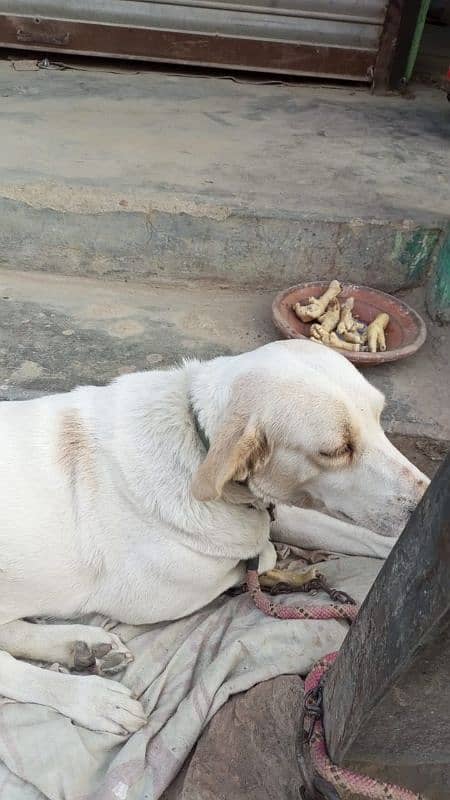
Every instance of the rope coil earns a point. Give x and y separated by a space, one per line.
267 606
340 778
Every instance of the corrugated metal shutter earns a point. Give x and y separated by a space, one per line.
338 38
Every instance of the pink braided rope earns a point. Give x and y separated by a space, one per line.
265 604
339 777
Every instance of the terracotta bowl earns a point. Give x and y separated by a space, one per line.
405 333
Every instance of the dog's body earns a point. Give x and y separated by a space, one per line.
109 502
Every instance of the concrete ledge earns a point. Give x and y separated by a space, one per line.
236 248
141 175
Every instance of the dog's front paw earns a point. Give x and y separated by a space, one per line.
101 705
93 649
100 652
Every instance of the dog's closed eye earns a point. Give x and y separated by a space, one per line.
340 452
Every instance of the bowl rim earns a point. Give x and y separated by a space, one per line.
364 358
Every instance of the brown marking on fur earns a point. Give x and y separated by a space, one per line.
75 451
251 453
348 446
350 440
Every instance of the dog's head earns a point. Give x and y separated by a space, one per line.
299 421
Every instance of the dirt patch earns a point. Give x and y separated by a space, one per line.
427 454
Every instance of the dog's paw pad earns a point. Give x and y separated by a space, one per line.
100 650
101 658
113 662
83 656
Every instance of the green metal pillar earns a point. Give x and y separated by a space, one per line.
417 38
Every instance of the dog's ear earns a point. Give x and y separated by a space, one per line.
239 449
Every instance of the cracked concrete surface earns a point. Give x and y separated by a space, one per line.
57 332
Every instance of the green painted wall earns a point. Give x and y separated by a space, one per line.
414 252
439 286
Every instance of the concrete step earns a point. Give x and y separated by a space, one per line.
144 175
59 331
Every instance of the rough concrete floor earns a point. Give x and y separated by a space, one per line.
57 332
159 176
85 139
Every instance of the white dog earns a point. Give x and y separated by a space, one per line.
141 500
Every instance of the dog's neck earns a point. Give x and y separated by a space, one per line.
201 435
237 492
157 448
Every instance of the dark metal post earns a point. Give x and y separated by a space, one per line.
387 698
388 44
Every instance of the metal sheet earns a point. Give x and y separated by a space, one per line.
359 9
344 25
206 19
288 58
328 7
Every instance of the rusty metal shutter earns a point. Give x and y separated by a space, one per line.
326 38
